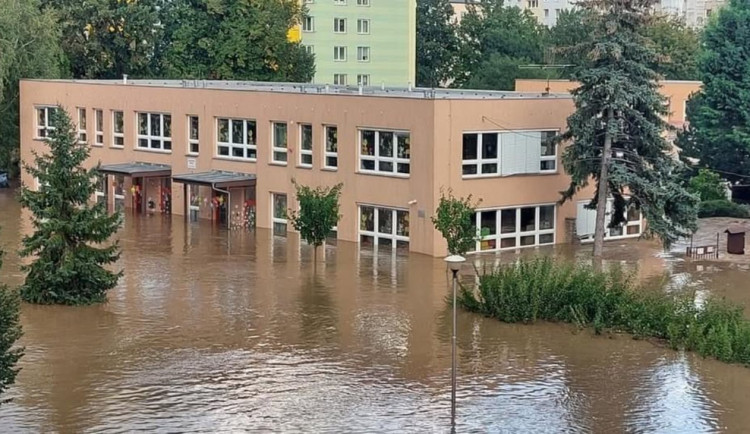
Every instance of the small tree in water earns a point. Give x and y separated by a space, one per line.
454 218
318 213
68 231
10 331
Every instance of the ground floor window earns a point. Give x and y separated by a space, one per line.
119 193
586 223
279 216
383 226
510 228
101 189
194 202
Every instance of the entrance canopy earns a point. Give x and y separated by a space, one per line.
217 179
136 170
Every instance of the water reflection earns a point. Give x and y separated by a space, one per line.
213 332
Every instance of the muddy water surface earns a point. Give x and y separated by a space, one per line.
216 332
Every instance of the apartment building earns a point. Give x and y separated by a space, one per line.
226 151
695 13
362 42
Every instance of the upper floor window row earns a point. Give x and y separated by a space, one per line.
509 153
384 152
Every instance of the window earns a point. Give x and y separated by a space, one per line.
44 121
515 227
363 2
383 227
308 24
533 3
155 131
82 136
339 25
279 143
546 13
279 216
305 145
363 26
339 54
118 129
586 222
310 49
101 188
339 79
193 135
384 151
236 138
339 2
363 79
331 157
363 54
508 153
99 121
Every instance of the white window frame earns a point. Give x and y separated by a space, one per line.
310 49
339 79
247 147
363 26
193 140
82 132
393 159
363 79
305 152
339 2
479 161
339 22
308 24
363 54
375 233
102 177
363 2
42 130
98 127
162 140
279 150
517 234
278 220
326 152
339 53
118 136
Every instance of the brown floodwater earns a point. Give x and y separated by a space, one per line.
217 331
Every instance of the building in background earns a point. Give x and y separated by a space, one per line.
695 13
361 42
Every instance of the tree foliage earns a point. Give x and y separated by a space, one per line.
454 219
68 243
318 212
29 48
437 43
10 332
618 104
234 40
719 114
708 185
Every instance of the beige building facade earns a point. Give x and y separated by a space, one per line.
228 152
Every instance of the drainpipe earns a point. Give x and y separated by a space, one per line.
229 204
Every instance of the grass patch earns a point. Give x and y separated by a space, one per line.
541 289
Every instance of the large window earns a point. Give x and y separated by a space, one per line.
118 131
586 222
155 131
305 145
236 138
331 157
44 122
193 135
82 135
99 124
383 226
386 152
508 153
279 216
279 142
510 228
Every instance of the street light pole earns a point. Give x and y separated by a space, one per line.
454 262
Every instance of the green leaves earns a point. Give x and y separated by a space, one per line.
437 43
70 239
318 212
454 218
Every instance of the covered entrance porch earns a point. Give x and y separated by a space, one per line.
227 198
150 187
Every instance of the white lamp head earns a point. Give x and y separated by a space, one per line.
454 262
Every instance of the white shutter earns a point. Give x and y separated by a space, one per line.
585 220
513 154
533 141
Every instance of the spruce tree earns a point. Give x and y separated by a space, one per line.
616 134
70 243
10 331
719 115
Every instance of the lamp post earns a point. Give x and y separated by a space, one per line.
454 263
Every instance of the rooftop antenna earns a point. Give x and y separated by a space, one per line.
548 65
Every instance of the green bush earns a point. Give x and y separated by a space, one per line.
722 208
707 185
541 289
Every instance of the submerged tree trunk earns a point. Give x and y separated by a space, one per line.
602 195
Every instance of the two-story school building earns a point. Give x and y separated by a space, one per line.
228 151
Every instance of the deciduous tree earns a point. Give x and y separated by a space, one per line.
454 219
318 213
71 239
437 42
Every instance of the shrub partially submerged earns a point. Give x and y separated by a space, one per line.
541 289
